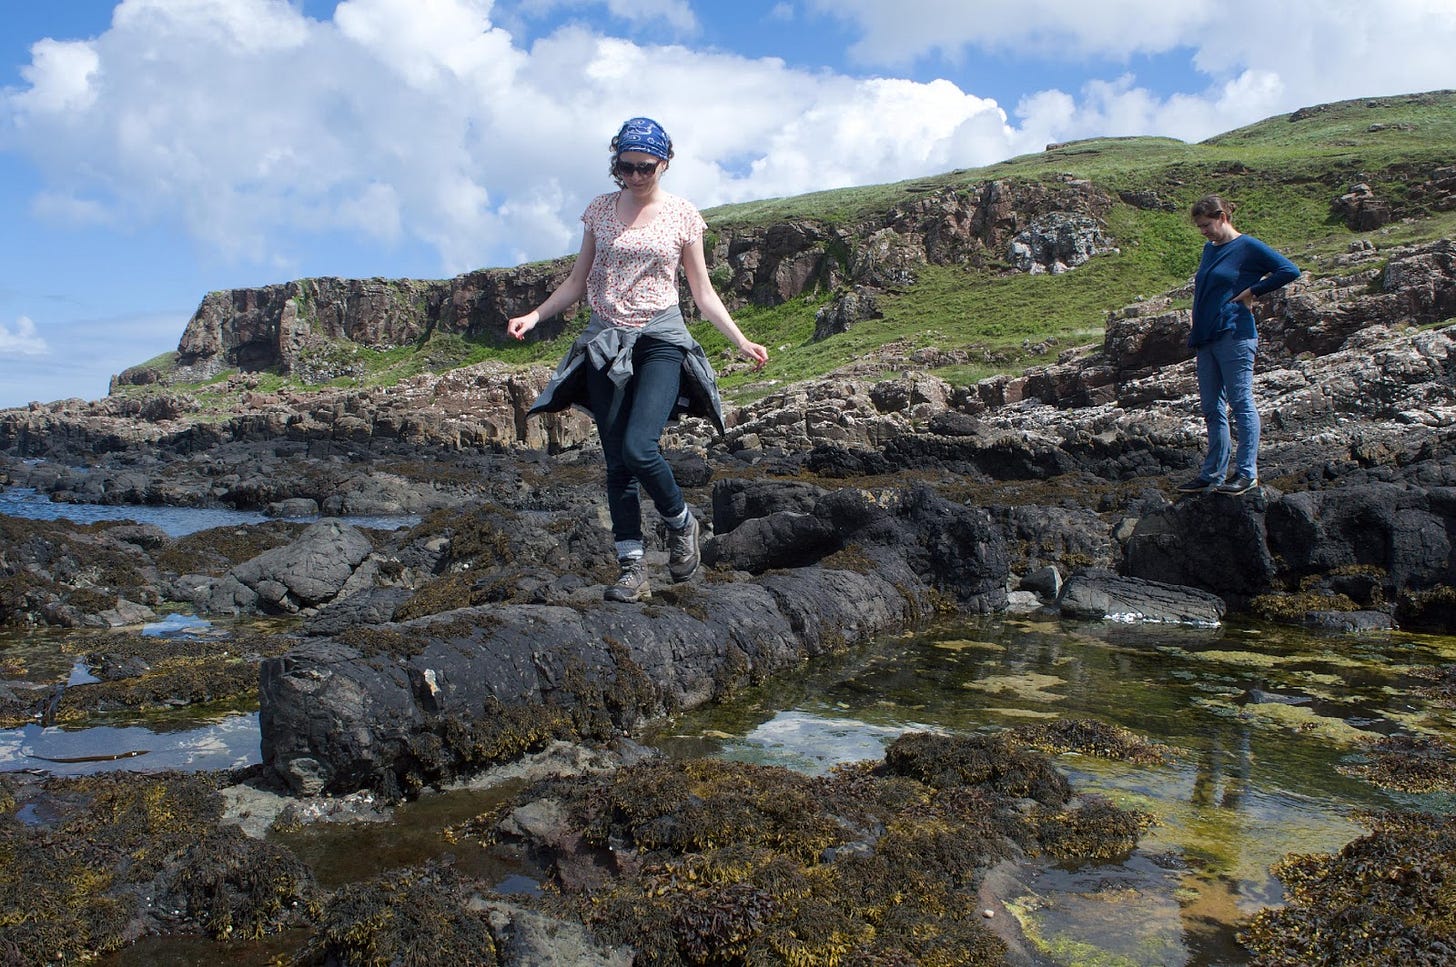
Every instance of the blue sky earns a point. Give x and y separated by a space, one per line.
152 151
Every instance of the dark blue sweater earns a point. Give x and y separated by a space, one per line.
1225 271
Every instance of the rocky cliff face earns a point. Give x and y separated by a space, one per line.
280 326
1029 227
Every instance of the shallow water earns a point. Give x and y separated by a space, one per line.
227 743
1261 718
26 503
187 739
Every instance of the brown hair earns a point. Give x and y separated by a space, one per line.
1211 206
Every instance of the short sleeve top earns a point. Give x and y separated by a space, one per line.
634 274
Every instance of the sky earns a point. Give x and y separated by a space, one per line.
152 151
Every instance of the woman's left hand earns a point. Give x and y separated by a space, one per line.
755 352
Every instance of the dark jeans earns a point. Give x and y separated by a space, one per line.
630 428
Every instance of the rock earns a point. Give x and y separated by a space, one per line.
307 573
1022 602
1101 595
126 613
855 306
435 698
1045 581
294 507
1056 243
526 937
1211 541
1349 621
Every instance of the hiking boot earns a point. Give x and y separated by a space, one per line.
1198 485
682 550
1239 485
631 583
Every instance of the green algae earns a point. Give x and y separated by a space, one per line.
1242 659
1023 713
1303 719
1029 687
1068 945
968 644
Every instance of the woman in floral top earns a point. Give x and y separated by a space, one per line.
636 365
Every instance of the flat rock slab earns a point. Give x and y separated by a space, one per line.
1105 596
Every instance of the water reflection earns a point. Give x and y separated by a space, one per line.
230 743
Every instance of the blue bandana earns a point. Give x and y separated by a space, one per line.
645 135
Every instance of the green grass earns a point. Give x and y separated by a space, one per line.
1282 174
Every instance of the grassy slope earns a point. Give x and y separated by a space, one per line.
1283 175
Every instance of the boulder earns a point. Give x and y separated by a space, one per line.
397 706
1104 596
301 576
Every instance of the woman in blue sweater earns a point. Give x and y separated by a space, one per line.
1235 270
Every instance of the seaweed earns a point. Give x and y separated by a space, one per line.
1387 898
415 917
706 861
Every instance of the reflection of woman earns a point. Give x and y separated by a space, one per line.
1235 270
630 364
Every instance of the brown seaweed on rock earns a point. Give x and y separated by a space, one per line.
1388 898
88 864
415 916
234 887
1090 737
1408 763
1442 688
707 861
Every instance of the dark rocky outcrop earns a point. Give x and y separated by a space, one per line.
395 705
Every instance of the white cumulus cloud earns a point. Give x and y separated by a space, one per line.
1259 58
22 340
257 129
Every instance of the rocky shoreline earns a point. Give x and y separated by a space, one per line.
839 510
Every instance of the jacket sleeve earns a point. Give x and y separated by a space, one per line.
1275 269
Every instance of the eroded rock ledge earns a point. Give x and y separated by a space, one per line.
398 705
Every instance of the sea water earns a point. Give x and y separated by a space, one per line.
27 503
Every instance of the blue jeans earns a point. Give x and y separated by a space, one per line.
1226 384
629 429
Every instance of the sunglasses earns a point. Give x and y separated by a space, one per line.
625 168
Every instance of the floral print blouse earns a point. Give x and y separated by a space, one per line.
634 274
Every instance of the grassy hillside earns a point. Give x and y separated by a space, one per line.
1282 173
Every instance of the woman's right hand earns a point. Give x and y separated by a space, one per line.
520 325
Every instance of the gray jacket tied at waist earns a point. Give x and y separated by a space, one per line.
610 347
